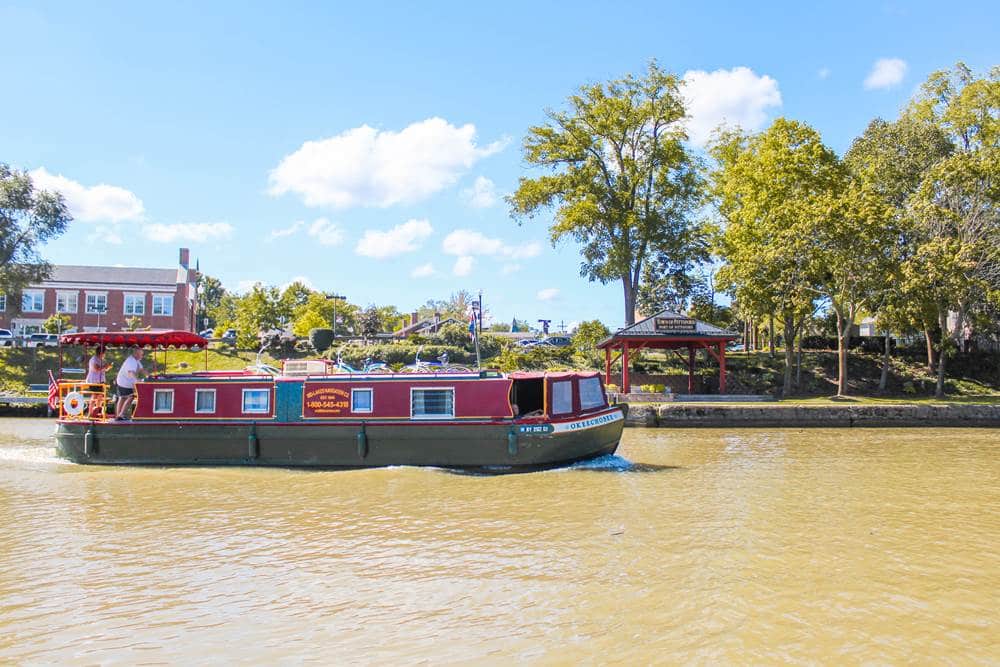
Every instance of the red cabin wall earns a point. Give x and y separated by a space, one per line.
228 400
482 399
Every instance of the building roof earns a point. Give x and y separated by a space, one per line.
116 275
666 325
429 323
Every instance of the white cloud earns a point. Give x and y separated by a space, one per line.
401 239
187 231
547 294
105 235
298 279
423 271
463 266
287 231
823 73
886 73
469 242
482 194
326 232
735 97
509 269
97 203
368 167
244 286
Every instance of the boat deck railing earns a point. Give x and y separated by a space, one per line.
82 401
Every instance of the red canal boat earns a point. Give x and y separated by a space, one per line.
307 414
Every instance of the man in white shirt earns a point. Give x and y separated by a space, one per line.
128 375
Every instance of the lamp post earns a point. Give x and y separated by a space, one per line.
335 298
100 311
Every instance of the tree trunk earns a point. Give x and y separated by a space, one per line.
883 381
786 387
930 350
942 354
843 337
770 336
629 300
798 363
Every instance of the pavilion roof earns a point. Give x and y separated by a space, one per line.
667 325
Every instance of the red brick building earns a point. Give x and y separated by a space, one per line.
102 298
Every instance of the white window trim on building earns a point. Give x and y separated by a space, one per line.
136 299
3 303
103 295
63 302
161 300
31 294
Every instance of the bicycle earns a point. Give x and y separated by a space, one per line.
370 366
440 366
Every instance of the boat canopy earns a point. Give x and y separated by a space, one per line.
156 340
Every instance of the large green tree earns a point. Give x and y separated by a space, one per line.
28 219
957 207
211 293
619 177
769 190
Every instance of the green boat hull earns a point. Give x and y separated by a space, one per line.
328 445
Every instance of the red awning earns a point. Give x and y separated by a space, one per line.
148 339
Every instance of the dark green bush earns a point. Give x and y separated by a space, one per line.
321 339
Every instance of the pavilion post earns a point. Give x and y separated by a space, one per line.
607 365
722 367
626 387
690 369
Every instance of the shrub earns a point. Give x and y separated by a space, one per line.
321 339
652 388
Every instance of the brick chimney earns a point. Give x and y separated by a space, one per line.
185 258
413 318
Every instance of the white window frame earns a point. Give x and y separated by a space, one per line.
267 405
214 403
591 381
371 400
168 392
96 295
30 294
65 296
167 299
434 416
3 303
142 304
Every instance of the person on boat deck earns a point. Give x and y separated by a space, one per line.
97 367
128 375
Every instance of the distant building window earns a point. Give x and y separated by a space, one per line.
163 304
163 401
432 403
67 302
361 400
135 304
204 401
97 303
562 397
591 395
256 401
3 302
32 301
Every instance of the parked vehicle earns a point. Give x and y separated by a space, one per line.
6 338
42 340
527 342
228 337
558 341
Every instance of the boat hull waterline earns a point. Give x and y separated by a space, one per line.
347 445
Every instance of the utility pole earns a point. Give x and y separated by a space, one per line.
335 298
477 326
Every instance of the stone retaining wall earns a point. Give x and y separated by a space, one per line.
667 415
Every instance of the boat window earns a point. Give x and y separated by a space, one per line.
204 400
361 400
163 400
527 397
429 403
591 395
562 397
256 400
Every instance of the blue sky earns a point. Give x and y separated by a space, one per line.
367 149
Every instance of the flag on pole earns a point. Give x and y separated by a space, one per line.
472 324
53 392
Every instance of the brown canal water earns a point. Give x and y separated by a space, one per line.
710 546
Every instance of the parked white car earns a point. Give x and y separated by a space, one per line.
42 340
6 338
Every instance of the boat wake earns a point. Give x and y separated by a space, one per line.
615 463
31 454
